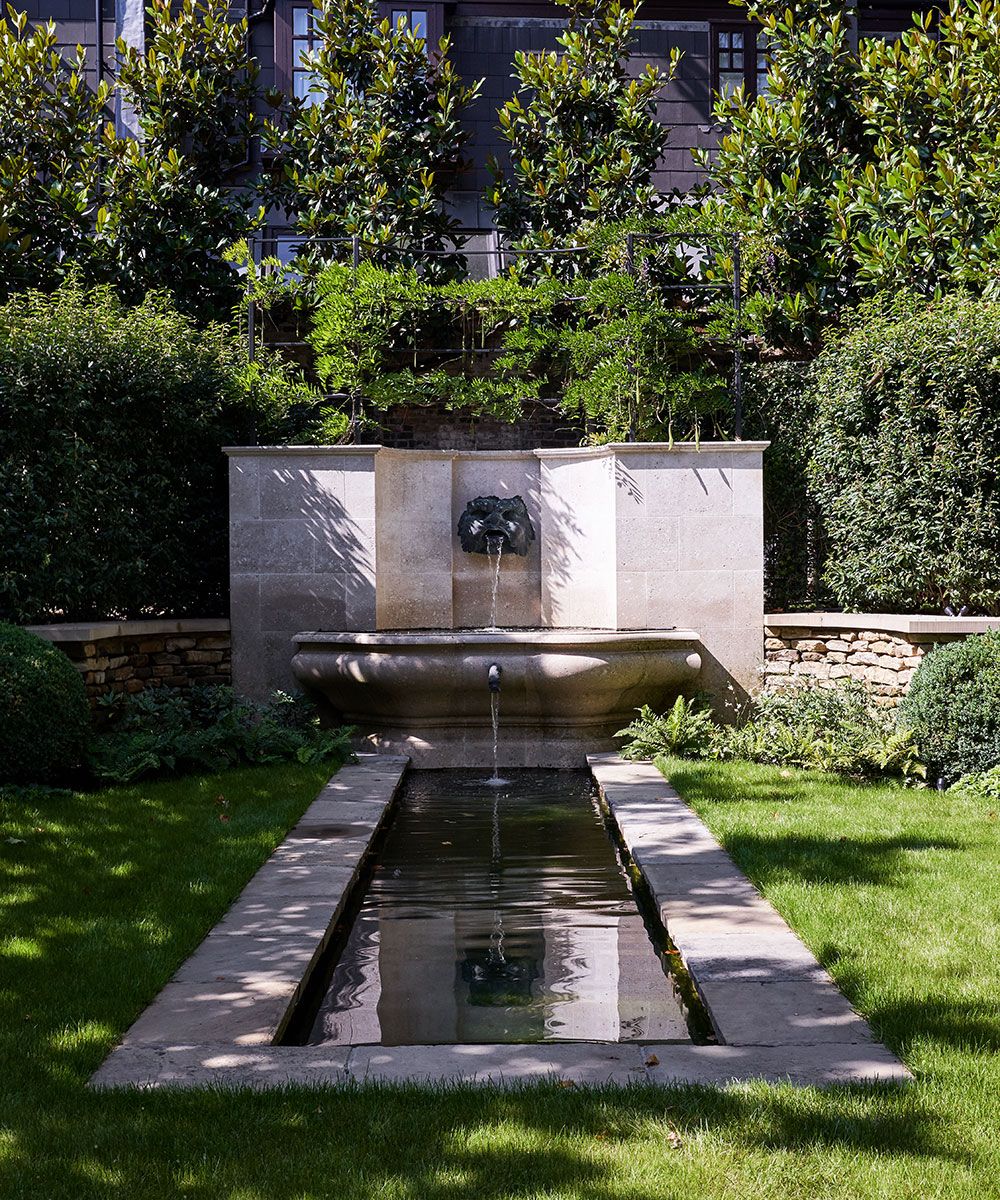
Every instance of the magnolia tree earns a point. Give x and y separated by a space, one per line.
156 212
582 130
49 139
864 168
172 206
369 151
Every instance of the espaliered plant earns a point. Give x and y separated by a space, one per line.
369 151
49 150
583 138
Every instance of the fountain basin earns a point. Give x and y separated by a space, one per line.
564 692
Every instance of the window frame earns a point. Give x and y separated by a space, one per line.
751 50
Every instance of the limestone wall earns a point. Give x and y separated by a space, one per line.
639 536
879 650
129 656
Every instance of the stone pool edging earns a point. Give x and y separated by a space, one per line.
777 1011
240 986
765 992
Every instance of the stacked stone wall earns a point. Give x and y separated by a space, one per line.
884 660
129 657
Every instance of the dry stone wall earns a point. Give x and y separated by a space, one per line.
882 651
129 656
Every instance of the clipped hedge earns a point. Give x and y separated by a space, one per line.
112 477
44 715
953 707
906 457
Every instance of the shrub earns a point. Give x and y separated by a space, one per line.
44 716
111 470
166 732
953 707
827 729
906 457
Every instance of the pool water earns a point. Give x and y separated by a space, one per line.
498 914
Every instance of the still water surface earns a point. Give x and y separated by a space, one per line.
498 914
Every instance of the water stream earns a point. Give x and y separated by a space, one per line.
494 544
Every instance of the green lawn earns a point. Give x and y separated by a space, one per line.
897 891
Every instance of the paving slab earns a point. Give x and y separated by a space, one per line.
247 1014
773 956
587 1063
773 1006
816 1066
792 1012
221 957
240 985
222 1065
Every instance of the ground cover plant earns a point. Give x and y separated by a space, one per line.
837 729
164 731
104 895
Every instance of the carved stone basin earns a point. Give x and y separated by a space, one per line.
564 692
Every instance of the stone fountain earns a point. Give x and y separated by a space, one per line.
622 575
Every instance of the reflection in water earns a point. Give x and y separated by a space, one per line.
498 915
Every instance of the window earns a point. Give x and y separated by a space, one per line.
739 59
295 36
303 41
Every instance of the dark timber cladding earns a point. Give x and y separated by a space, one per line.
716 41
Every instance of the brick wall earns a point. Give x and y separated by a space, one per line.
880 650
130 656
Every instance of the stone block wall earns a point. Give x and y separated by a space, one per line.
130 656
880 650
637 536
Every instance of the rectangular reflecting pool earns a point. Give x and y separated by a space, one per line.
497 914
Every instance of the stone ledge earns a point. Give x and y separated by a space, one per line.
238 988
925 626
227 1066
102 630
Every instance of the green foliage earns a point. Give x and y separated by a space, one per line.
111 471
368 152
906 456
165 732
780 160
827 729
49 139
610 348
583 135
984 785
44 716
687 730
155 213
170 210
921 210
953 707
867 168
779 406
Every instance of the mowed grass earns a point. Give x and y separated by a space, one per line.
898 891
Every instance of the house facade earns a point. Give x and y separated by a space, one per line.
719 50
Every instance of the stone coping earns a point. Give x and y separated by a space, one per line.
573 452
763 988
156 626
577 639
882 622
776 1010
